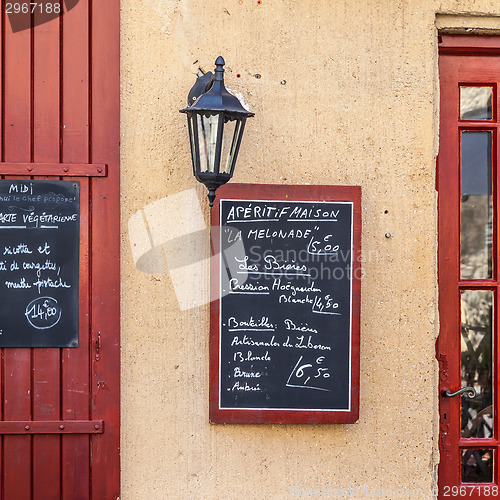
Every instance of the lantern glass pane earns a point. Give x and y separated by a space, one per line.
207 140
191 139
231 131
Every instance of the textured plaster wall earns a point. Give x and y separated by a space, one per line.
347 95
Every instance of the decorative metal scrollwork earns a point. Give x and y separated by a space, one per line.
469 391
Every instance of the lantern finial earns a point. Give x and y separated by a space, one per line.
219 69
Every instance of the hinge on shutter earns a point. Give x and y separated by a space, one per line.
52 427
98 347
56 169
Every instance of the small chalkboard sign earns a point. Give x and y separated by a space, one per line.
285 308
39 263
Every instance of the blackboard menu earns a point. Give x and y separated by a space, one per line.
39 263
287 348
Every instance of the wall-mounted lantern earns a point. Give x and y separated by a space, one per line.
216 121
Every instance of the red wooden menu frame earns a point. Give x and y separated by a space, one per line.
286 416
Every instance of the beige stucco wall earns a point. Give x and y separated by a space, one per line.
347 96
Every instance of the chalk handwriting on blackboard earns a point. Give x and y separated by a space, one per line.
43 313
39 263
285 323
306 375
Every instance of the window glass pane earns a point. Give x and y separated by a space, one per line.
475 103
476 211
476 362
477 466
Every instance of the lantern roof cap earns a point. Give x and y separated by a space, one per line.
216 97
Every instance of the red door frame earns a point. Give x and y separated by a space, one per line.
473 60
60 120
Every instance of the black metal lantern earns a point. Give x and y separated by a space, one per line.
216 121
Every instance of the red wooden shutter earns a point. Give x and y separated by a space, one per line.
59 415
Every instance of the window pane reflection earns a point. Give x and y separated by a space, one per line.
476 211
477 466
475 103
476 362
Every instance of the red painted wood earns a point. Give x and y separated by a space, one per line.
448 274
3 20
463 60
105 246
469 45
280 192
52 427
50 103
76 393
17 362
46 362
76 390
55 169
